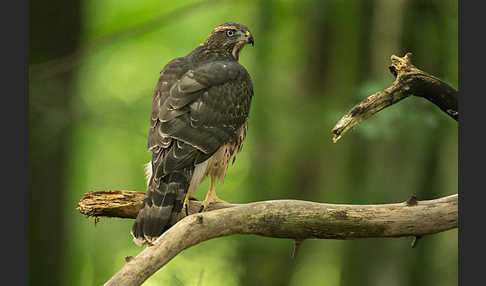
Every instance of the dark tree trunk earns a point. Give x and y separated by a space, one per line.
54 32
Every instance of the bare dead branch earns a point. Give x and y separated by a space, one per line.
122 204
409 81
293 219
126 204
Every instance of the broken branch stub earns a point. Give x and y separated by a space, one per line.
409 81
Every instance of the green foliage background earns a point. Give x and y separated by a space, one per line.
312 61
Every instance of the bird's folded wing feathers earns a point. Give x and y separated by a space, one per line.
196 113
192 84
192 112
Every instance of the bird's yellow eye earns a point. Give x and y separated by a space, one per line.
230 33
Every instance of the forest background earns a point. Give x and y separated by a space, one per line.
93 67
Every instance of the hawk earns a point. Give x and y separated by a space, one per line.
198 124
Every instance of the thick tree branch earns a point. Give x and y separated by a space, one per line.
297 220
125 204
409 81
291 219
122 204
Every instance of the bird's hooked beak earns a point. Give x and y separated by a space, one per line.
249 38
243 39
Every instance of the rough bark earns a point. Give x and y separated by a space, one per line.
122 204
125 204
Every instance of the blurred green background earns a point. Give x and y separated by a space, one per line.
93 67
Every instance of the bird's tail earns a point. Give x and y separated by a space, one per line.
161 206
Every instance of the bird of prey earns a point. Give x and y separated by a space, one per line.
198 124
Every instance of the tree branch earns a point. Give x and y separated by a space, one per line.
409 81
293 219
126 204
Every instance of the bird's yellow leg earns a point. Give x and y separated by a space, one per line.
185 206
211 197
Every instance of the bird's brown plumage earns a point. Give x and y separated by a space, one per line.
198 124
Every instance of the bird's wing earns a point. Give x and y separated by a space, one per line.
197 113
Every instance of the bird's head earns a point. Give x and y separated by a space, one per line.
231 38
